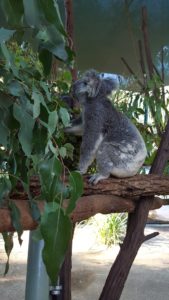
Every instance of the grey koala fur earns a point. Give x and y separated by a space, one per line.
108 135
76 125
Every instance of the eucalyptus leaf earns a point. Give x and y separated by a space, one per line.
5 100
26 128
8 240
15 88
54 149
52 40
45 87
11 13
56 230
38 12
5 34
49 172
4 133
36 109
76 190
35 212
15 217
69 150
44 17
38 98
62 152
9 60
65 117
52 121
5 187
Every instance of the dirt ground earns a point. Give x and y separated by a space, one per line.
148 279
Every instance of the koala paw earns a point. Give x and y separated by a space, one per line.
95 178
81 171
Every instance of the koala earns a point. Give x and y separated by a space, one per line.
110 84
107 135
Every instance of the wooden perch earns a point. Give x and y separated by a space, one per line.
111 195
132 187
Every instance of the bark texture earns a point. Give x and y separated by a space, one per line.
108 199
134 238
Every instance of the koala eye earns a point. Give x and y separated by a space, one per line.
85 82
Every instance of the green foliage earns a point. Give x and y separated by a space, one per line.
32 121
37 23
56 239
76 190
8 240
149 110
111 228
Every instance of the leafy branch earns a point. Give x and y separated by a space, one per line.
33 117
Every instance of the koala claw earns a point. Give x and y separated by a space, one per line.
95 178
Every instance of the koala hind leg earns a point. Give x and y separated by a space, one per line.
104 167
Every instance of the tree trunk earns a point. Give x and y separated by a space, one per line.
135 232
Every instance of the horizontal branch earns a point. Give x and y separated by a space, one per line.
86 207
111 195
132 187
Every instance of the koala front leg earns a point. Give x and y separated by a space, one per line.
89 147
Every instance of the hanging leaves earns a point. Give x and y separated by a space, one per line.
8 240
56 230
38 22
32 118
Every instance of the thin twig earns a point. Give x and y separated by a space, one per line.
150 236
132 72
142 64
146 42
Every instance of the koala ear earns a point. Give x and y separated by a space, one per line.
95 84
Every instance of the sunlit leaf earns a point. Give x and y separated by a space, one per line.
56 230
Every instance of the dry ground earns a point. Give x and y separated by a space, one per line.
148 279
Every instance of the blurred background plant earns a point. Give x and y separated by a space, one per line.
108 230
111 228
